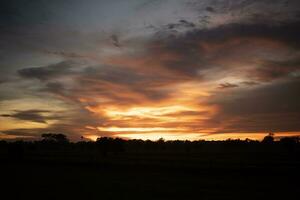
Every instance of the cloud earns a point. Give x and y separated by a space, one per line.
151 78
249 83
198 52
273 107
210 9
181 24
30 115
270 70
246 11
227 85
31 133
115 40
213 66
48 72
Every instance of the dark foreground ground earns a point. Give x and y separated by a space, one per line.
40 181
214 172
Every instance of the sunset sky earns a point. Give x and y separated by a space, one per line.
146 69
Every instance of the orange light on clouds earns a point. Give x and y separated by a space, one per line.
165 136
91 137
135 129
243 136
146 112
175 117
203 136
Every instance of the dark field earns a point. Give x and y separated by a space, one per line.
116 169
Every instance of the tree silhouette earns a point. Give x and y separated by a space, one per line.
269 139
107 144
55 137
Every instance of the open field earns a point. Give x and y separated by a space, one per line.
214 171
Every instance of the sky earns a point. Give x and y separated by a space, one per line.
150 69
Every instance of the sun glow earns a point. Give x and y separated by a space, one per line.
91 137
165 136
149 112
176 120
135 129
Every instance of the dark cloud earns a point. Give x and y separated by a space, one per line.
48 72
115 84
71 122
181 24
278 98
253 11
227 86
19 12
270 70
23 132
67 55
272 107
250 83
210 9
284 32
198 50
2 81
30 115
115 40
54 87
113 81
59 90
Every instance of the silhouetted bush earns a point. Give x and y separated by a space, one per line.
57 147
107 144
269 139
289 143
55 137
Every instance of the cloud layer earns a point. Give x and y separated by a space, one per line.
178 69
